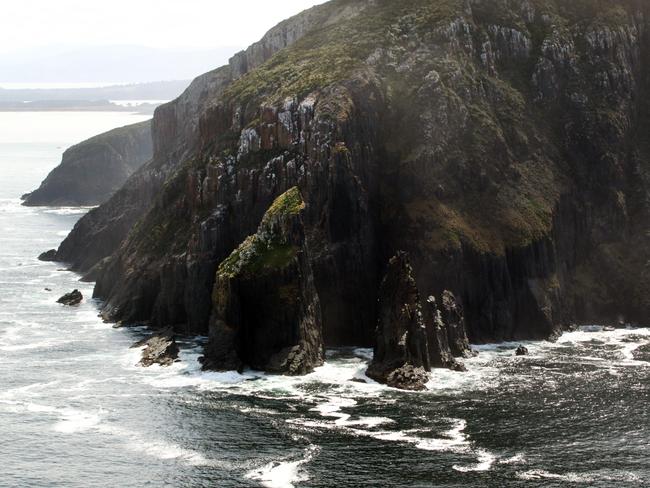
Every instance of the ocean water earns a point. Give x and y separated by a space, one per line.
76 411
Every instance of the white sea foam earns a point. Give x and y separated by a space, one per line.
48 344
284 474
74 421
588 477
485 462
622 339
66 210
516 459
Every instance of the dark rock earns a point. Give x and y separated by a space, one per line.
410 340
401 356
407 377
160 348
266 310
439 334
454 320
521 351
73 298
48 255
48 289
93 170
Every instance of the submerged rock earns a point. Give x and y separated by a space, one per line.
160 348
73 298
521 351
48 255
266 312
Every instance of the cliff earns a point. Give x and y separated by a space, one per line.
501 143
92 171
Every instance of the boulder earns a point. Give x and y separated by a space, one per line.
73 298
48 256
160 348
521 351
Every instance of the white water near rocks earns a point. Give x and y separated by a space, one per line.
76 411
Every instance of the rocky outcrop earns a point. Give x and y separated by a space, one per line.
266 312
410 340
453 319
71 299
48 255
92 171
501 144
401 358
160 348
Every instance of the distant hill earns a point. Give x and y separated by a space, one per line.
159 90
108 64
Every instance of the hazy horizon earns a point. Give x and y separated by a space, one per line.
89 42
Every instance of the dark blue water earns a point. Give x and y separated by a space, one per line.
75 411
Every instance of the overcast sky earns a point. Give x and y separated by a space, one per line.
154 23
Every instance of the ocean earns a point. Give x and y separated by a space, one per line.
76 411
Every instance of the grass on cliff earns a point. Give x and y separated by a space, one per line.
334 51
266 249
289 203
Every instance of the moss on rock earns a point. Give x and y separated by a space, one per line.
269 248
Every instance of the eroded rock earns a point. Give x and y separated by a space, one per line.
160 348
401 356
73 298
48 256
266 312
410 340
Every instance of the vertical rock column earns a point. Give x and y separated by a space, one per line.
266 312
411 340
401 356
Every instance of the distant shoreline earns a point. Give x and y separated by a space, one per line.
142 109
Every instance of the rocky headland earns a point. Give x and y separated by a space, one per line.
92 171
502 145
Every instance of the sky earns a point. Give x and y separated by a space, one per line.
109 41
154 23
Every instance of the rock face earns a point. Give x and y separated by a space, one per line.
160 348
93 170
73 298
410 340
502 144
266 312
